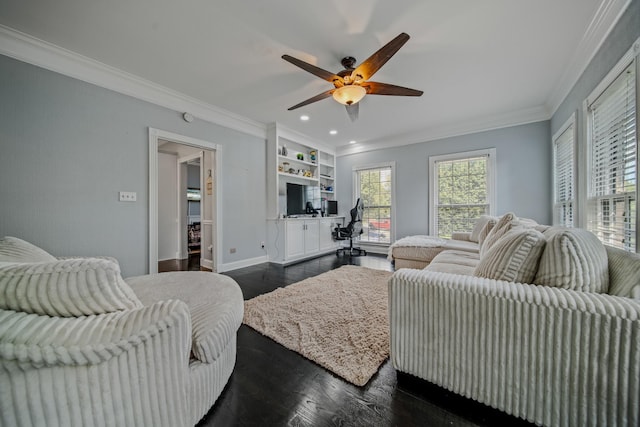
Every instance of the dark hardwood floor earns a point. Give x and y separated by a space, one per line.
189 264
274 386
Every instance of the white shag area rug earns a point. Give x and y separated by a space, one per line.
337 319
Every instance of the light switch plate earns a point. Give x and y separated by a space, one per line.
128 196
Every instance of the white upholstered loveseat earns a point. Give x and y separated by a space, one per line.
555 341
81 346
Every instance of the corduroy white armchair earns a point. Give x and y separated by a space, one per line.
79 346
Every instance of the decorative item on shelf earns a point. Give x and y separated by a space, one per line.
308 174
284 150
280 168
300 156
279 151
285 166
322 186
292 170
300 172
209 184
329 188
312 155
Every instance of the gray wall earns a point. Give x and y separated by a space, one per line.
68 147
619 41
168 246
523 174
193 176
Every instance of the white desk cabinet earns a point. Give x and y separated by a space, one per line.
303 237
293 239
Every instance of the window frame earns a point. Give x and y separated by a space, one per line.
631 56
570 123
490 153
356 195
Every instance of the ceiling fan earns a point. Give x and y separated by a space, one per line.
351 84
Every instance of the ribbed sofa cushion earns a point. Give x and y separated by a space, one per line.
65 288
514 257
215 302
13 250
455 262
573 258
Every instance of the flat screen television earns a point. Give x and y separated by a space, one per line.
299 195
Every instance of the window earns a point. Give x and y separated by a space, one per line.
563 175
462 189
374 185
612 194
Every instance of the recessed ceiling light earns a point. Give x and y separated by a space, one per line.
333 131
304 117
352 142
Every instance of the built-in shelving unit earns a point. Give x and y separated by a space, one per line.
294 158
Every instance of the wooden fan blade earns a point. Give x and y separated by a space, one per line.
365 70
353 110
375 88
323 74
316 98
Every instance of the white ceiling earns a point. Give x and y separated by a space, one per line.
481 64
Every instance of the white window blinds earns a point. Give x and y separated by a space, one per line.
613 149
563 150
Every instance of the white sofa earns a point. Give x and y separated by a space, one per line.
419 250
81 346
550 334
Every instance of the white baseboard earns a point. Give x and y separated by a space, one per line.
242 263
206 263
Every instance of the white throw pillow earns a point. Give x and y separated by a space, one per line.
486 230
13 249
66 288
513 257
479 226
573 258
500 229
624 271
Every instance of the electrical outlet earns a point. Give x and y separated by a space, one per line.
262 245
128 196
232 250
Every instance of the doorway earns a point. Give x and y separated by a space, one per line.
184 213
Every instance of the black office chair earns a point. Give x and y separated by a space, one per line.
351 231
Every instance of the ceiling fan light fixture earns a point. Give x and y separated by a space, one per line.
349 95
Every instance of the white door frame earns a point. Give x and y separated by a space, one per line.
155 135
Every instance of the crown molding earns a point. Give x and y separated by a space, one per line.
29 49
601 25
298 137
604 20
482 124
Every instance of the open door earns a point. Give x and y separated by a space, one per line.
208 212
169 234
